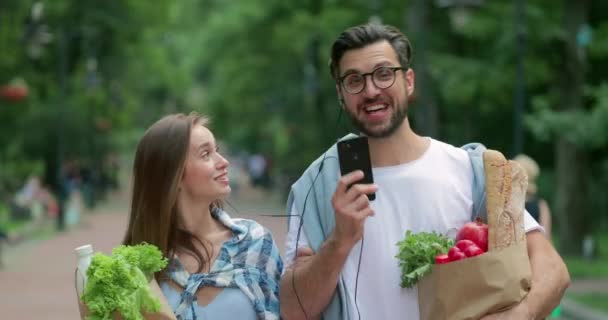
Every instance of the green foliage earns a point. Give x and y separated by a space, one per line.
582 268
259 69
417 253
595 300
15 171
586 128
120 282
96 78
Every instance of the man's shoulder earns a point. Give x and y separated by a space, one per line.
449 152
464 152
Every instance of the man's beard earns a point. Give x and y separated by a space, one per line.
395 123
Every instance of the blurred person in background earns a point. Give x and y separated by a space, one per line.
34 201
256 164
25 202
536 206
219 267
3 239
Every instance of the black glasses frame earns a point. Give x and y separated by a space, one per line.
371 74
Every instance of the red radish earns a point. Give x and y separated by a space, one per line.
464 244
472 251
454 252
458 256
441 259
477 232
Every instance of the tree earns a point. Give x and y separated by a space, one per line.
426 113
575 116
572 160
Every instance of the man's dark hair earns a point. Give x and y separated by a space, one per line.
363 35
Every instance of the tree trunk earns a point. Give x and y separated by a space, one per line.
314 78
572 161
426 110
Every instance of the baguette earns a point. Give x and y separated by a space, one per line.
506 184
498 191
517 203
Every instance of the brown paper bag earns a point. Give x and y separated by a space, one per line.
165 312
471 288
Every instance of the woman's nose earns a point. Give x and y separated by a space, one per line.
222 162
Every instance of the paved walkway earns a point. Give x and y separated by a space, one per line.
590 286
575 310
37 281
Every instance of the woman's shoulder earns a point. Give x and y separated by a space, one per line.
242 227
254 229
259 246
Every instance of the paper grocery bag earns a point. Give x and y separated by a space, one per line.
165 312
473 287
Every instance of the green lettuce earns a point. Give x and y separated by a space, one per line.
120 282
417 253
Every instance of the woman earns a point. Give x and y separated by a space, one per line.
538 207
220 268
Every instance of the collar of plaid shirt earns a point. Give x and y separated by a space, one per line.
250 261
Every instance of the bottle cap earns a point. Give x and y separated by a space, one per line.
84 250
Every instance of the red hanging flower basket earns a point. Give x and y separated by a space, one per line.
13 92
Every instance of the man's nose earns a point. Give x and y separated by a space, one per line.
370 90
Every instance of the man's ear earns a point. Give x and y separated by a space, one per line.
340 96
409 81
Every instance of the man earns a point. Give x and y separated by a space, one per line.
421 184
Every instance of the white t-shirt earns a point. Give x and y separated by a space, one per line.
432 193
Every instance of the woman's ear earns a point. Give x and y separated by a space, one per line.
180 182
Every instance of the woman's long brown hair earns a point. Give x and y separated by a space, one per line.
157 170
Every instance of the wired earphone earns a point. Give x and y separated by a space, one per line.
301 224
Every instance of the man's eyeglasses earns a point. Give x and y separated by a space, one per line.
382 77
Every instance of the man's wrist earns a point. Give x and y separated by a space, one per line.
337 246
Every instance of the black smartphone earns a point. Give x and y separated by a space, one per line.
353 155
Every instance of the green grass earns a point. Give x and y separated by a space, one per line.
597 301
581 268
13 226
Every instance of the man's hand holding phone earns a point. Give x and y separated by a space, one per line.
353 155
351 207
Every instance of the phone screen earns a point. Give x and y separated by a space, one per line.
353 155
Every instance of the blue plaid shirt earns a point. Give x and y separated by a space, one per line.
249 261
